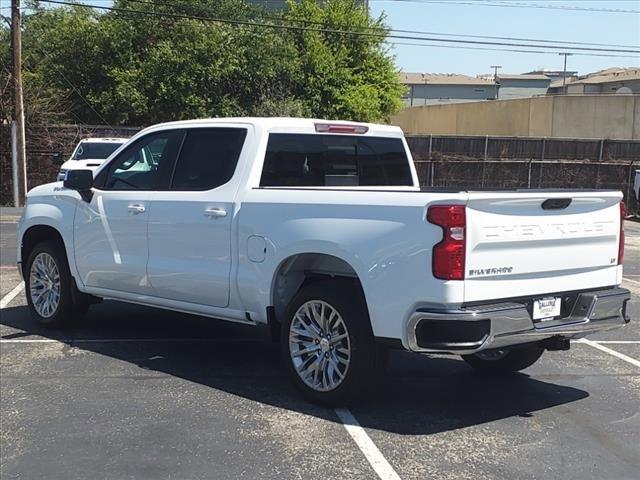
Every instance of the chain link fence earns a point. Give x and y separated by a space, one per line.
521 163
480 162
42 143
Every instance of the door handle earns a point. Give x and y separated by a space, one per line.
136 208
215 212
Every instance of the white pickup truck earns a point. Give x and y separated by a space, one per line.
320 230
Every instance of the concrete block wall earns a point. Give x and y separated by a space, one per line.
580 116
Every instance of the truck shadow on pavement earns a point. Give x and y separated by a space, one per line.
420 394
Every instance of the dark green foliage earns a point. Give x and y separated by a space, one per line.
126 67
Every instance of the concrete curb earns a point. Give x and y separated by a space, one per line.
10 214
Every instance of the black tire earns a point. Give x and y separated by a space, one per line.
71 306
367 359
510 361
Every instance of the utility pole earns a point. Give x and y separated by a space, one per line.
564 72
495 79
18 106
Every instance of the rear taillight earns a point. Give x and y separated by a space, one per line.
623 213
449 255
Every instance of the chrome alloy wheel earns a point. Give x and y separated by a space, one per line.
319 345
44 285
492 355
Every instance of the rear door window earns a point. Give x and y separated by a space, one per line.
208 158
310 160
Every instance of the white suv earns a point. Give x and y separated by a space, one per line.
90 153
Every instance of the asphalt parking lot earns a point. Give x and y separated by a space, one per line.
142 393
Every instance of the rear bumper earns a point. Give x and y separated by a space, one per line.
469 330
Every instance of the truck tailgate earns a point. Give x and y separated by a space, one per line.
515 246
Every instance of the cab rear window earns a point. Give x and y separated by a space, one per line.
309 160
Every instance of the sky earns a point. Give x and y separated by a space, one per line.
473 18
495 18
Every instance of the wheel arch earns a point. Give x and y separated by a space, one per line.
300 269
34 235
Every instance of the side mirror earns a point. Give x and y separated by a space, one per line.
80 180
56 158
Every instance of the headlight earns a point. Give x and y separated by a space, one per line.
61 175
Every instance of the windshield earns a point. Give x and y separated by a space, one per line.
94 150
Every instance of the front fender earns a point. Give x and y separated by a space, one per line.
47 207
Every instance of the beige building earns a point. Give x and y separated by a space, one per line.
611 80
437 88
441 88
579 116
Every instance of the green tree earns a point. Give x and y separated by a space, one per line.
150 61
344 75
5 73
62 49
43 104
177 68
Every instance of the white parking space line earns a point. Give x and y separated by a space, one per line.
380 465
30 340
134 340
619 355
625 279
621 342
11 295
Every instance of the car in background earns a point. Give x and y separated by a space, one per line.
89 154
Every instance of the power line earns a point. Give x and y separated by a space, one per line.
495 3
333 31
27 122
422 1
565 42
419 32
544 52
77 91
